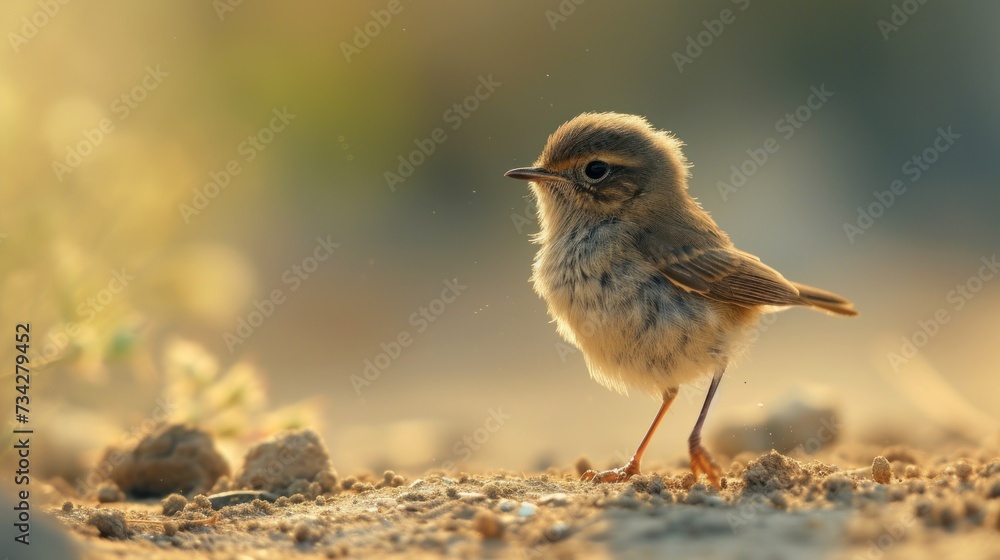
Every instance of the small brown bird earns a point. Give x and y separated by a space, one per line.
638 276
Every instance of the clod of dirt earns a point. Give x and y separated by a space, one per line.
963 470
109 492
487 524
881 470
110 523
200 501
175 458
276 464
173 503
773 472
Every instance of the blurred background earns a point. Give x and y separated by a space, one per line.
245 216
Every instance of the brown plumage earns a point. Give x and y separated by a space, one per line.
637 275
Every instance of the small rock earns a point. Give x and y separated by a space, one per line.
486 523
963 470
175 458
557 499
506 505
173 504
527 509
471 497
557 531
327 480
109 492
881 470
236 497
413 497
305 533
688 480
110 523
300 453
200 501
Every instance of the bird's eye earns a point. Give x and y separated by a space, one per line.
597 170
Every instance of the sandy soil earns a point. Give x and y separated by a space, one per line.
850 501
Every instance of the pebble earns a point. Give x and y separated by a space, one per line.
527 509
557 499
471 497
881 470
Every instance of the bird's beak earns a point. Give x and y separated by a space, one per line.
533 174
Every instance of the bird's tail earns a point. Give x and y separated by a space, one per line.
827 301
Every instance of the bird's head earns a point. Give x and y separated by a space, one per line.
602 165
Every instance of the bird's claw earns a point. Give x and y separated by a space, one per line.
621 474
701 462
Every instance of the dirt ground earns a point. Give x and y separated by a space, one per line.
849 501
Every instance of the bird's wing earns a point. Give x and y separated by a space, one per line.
726 274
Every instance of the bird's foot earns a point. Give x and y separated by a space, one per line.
621 474
701 462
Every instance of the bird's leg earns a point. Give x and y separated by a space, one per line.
621 474
701 460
